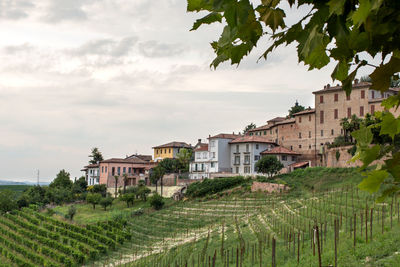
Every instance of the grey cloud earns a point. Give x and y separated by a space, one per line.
15 49
62 10
15 9
157 49
106 47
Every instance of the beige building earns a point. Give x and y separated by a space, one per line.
310 130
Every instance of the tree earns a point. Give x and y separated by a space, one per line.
340 31
98 188
62 180
143 192
7 201
296 108
129 198
106 201
184 157
116 178
156 201
156 174
93 198
96 156
125 177
71 212
79 186
249 127
269 165
350 126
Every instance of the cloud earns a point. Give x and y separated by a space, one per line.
106 47
154 49
15 9
62 10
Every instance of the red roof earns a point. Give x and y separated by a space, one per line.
202 147
279 150
312 110
175 144
338 87
251 139
264 127
225 136
127 160
299 164
276 119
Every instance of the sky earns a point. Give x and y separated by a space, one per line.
124 76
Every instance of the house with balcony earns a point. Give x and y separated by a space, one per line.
199 168
92 174
245 152
169 150
220 152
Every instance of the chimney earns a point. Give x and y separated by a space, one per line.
209 136
324 87
233 132
199 141
355 81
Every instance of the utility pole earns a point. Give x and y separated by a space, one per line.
38 172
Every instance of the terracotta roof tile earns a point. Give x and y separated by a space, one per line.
127 160
225 136
202 147
251 139
304 112
338 87
279 150
299 164
174 144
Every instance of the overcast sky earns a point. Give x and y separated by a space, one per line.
123 76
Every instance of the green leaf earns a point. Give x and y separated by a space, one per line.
368 155
272 17
195 5
210 18
341 71
382 74
391 102
362 12
393 166
387 192
390 125
373 181
363 136
336 6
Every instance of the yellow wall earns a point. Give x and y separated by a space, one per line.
163 153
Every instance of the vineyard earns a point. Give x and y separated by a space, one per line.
341 226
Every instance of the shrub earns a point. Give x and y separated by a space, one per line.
93 198
156 201
212 186
105 202
71 212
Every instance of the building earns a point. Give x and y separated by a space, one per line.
220 152
133 167
286 156
169 150
246 151
92 174
199 168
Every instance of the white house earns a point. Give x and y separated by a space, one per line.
92 174
220 152
245 151
199 168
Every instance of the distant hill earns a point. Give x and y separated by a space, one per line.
5 182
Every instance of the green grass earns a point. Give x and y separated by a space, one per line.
18 189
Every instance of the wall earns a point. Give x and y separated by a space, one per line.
268 187
329 158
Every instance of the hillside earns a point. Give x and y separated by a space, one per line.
223 229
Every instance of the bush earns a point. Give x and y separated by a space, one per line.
93 198
105 202
156 201
71 212
212 186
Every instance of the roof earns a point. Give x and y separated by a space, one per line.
225 136
127 160
292 120
276 119
202 147
299 164
142 157
174 144
95 165
279 150
312 110
251 139
264 127
339 88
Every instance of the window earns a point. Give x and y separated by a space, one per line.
336 97
237 169
237 148
347 97
119 170
322 132
265 132
332 132
341 131
202 166
195 167
204 155
299 135
321 117
247 147
282 138
130 170
212 164
237 160
336 114
362 94
246 169
373 94
169 150
321 99
256 157
197 155
213 155
102 169
257 146
361 111
291 147
293 158
309 117
300 146
270 131
124 170
299 119
247 159
113 171
309 134
309 146
165 151
284 158
372 108
106 169
349 113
